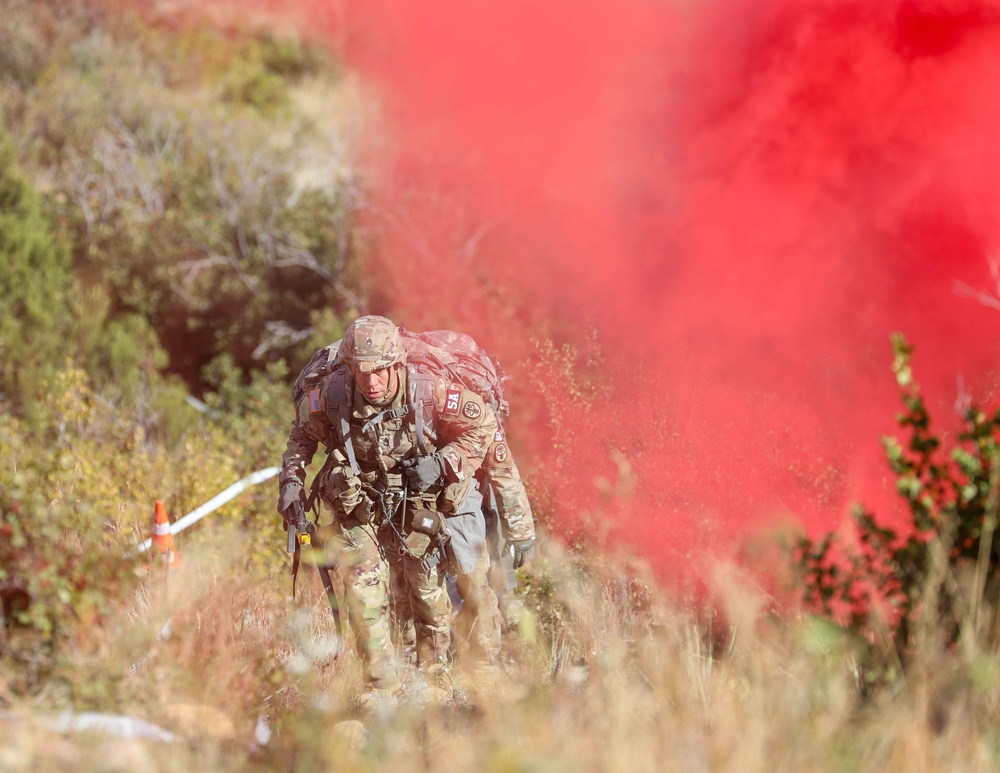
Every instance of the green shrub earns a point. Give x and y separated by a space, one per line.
252 421
930 585
265 67
60 555
223 228
37 287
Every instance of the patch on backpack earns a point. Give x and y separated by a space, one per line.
314 406
452 401
500 452
472 410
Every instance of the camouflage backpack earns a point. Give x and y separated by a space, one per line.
321 364
457 357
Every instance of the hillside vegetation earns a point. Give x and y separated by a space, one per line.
179 207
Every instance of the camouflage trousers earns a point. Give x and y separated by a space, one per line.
419 595
477 624
367 595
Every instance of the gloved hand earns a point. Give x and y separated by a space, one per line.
422 472
349 489
291 492
341 484
521 550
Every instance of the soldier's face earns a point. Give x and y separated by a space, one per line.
377 385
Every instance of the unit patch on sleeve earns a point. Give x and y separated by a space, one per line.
314 406
500 452
472 410
498 436
452 401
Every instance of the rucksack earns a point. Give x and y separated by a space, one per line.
320 365
459 358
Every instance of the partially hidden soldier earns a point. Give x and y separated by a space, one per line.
510 524
405 449
478 580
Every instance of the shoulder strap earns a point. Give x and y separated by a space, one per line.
320 364
386 415
339 397
420 385
345 434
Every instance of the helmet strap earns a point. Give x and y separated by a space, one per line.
392 389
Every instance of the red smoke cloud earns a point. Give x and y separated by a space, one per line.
743 198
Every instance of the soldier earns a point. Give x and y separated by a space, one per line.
510 524
476 581
480 580
402 486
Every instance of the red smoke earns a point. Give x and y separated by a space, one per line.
743 198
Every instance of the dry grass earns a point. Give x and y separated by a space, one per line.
605 674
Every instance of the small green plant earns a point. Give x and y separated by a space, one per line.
928 585
36 288
61 564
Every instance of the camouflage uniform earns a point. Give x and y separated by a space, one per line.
510 506
353 546
460 432
481 581
511 500
478 582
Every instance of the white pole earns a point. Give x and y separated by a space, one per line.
215 503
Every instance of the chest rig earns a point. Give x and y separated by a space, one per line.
391 434
416 411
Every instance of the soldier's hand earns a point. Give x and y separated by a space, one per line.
291 492
342 484
348 490
521 550
422 472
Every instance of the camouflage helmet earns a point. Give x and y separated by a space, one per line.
371 343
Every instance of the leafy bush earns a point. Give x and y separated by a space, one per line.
223 228
37 285
147 230
934 584
264 69
62 563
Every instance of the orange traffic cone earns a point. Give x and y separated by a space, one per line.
162 542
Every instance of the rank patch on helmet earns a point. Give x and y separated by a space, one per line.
314 406
452 401
500 452
472 410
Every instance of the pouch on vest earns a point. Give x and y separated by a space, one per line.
426 522
428 537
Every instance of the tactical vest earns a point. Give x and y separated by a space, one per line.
337 402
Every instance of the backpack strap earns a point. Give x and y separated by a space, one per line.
386 415
421 388
339 397
345 435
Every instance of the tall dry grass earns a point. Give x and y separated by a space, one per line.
605 672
